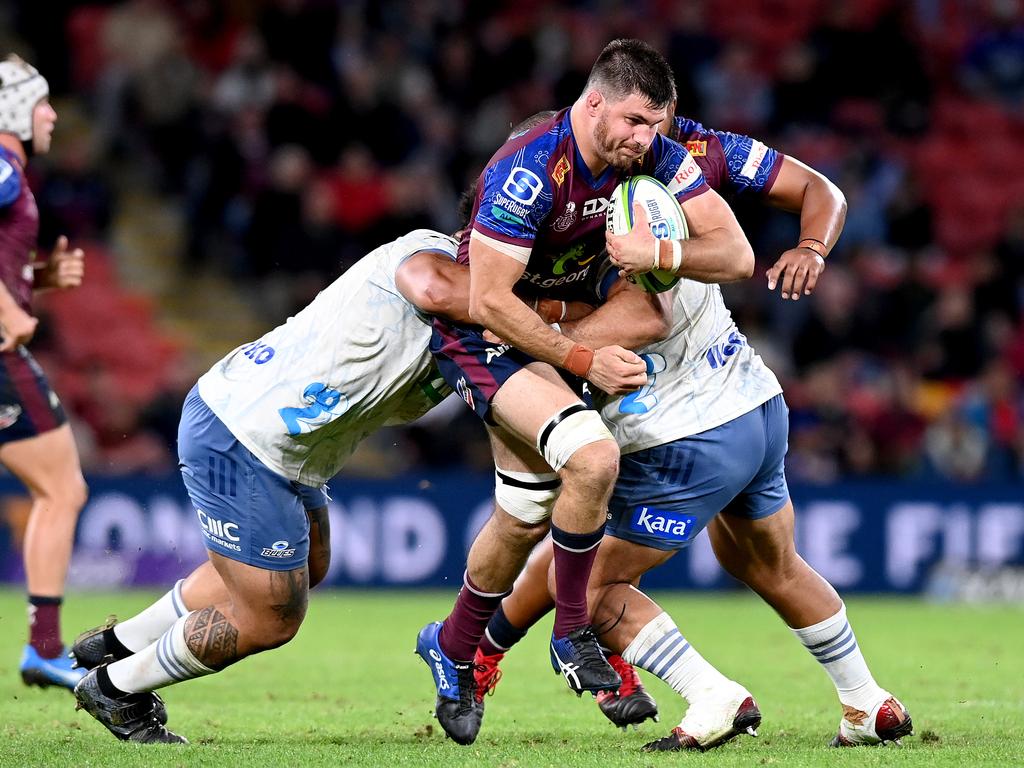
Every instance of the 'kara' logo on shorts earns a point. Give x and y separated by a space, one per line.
663 523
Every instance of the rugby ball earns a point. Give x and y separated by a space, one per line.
665 217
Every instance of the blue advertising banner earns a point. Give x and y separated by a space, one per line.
414 532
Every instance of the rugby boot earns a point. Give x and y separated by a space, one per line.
486 673
35 670
457 707
888 721
580 660
712 721
631 704
94 647
131 717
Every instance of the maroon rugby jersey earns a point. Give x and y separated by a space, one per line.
19 230
538 202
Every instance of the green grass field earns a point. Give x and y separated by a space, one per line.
349 691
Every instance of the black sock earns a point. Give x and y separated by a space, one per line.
503 633
118 649
107 688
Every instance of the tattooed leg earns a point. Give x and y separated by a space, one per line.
319 544
289 591
211 637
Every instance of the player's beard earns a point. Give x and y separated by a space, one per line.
608 151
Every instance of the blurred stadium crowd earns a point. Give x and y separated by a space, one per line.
279 140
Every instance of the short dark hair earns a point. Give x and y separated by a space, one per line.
628 66
530 123
464 211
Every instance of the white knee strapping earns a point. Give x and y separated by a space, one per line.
526 496
569 430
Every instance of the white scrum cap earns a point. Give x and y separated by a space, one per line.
21 88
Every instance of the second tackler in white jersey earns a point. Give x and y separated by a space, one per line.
304 395
703 375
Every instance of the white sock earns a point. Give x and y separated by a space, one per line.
166 661
660 649
141 630
834 645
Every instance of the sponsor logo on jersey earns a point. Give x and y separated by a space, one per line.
719 354
595 207
278 549
258 352
542 280
322 409
218 531
686 175
567 219
697 148
573 254
503 215
562 167
8 415
510 205
754 160
663 523
522 185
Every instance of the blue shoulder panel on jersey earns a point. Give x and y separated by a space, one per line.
517 194
752 164
10 180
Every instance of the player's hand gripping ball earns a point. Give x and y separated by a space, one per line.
664 214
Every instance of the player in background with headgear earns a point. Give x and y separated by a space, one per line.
36 443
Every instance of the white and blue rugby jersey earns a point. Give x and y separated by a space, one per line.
704 373
701 376
303 396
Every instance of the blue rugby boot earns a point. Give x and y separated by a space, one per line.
580 660
457 708
35 670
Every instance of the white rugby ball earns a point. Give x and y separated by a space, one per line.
664 214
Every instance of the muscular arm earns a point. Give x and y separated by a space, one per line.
439 286
630 317
822 208
717 251
821 204
493 304
435 284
